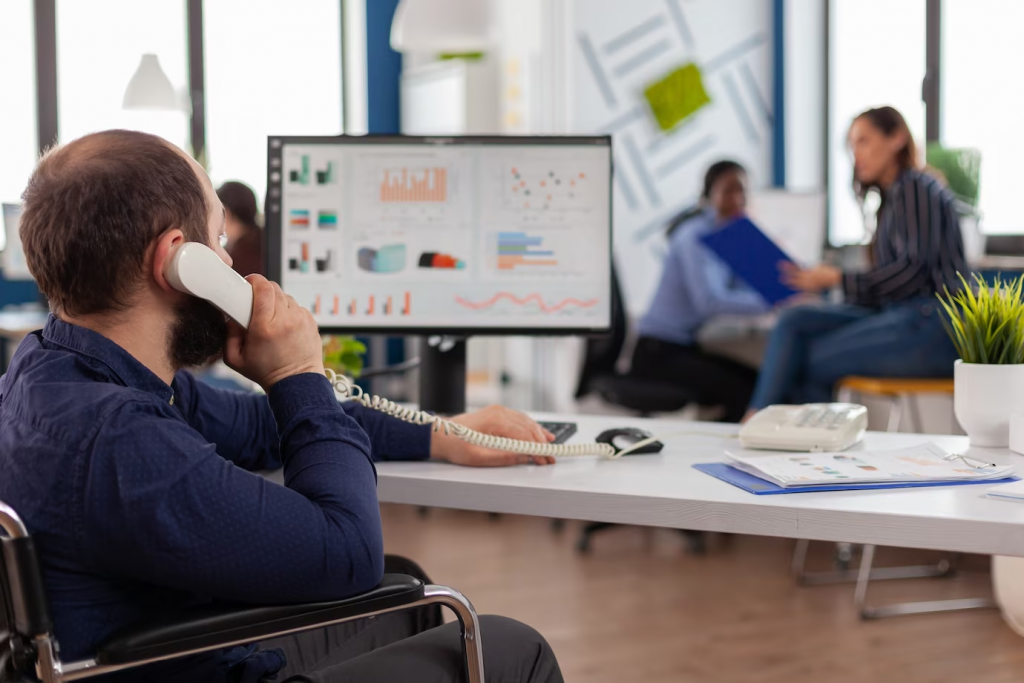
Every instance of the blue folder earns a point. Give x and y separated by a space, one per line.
753 257
760 487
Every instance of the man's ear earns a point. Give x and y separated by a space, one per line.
163 250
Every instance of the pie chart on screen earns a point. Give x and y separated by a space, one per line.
433 259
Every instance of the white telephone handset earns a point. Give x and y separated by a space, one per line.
196 269
815 427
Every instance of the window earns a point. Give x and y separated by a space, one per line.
981 103
877 57
272 68
18 137
100 44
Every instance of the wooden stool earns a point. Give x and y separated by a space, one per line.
900 392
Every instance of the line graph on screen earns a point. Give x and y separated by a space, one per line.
534 300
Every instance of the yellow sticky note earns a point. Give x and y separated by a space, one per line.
677 96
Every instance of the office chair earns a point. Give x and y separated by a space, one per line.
28 649
600 375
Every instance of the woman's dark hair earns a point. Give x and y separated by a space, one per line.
240 200
716 171
889 122
711 177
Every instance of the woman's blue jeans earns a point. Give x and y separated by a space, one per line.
813 347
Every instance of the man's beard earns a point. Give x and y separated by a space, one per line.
198 335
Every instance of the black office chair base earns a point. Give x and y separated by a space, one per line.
644 396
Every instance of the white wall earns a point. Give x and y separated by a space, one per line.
357 117
864 78
806 99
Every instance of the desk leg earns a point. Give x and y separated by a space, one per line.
843 573
944 568
842 561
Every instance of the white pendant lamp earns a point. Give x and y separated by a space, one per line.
150 88
441 26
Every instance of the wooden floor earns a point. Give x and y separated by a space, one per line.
639 608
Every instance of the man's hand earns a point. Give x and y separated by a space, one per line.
817 279
282 339
496 421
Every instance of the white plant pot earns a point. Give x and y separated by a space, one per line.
984 399
1008 583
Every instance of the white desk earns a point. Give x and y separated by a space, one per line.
664 490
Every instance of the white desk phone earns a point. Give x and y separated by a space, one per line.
196 269
815 427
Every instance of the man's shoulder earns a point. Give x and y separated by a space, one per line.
67 397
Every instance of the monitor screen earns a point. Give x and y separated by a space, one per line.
461 235
12 257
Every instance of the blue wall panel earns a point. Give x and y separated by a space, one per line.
779 93
383 67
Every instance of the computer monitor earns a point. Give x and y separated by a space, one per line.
12 257
443 235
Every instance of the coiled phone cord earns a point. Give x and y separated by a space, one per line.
348 389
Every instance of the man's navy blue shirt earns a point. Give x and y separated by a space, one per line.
144 502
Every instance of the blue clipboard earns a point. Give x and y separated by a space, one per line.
760 487
753 257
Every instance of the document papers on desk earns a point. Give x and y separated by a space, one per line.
1014 491
927 463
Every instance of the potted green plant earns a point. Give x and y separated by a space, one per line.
986 324
344 355
987 327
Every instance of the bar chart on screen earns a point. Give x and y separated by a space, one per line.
339 306
523 250
550 253
310 169
414 185
298 173
425 195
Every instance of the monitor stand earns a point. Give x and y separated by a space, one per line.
443 375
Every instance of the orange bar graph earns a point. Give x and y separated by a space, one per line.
336 309
352 307
369 309
407 309
316 305
427 185
387 307
510 262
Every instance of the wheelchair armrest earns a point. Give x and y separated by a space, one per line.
222 625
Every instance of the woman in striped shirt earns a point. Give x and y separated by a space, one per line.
890 325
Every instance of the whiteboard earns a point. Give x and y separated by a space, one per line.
794 220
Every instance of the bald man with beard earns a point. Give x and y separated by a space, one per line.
139 483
